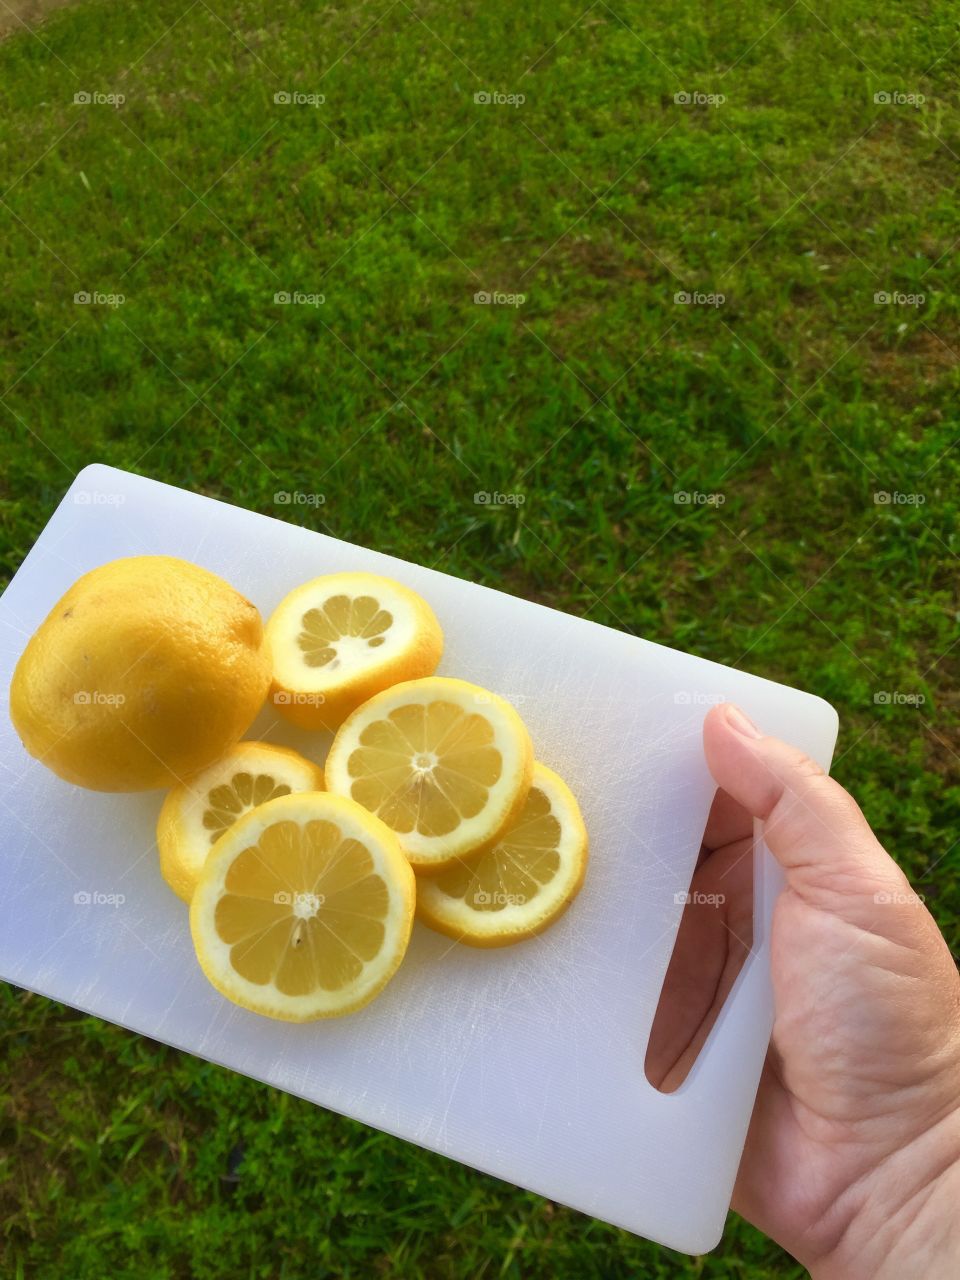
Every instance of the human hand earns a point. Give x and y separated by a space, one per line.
852 1161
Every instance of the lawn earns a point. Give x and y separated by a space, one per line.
765 474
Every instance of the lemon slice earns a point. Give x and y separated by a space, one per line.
338 640
198 812
303 909
521 885
444 763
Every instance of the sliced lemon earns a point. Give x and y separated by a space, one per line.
338 640
444 763
521 885
303 909
196 814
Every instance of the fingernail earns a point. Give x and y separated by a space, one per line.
740 721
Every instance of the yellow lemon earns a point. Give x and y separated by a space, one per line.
336 641
198 812
145 672
447 765
523 883
303 909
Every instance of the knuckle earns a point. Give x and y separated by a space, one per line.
806 768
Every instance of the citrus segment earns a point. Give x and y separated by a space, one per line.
303 909
199 811
445 764
523 883
338 640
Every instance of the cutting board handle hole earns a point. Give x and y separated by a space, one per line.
715 936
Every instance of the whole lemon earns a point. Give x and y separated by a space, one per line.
147 670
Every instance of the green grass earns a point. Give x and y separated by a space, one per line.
598 399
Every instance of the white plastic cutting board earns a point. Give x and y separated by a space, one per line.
527 1062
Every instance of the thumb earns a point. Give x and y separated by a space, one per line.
811 825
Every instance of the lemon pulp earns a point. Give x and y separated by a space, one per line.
521 884
425 768
445 764
342 631
303 908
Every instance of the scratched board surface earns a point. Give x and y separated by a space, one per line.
525 1062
